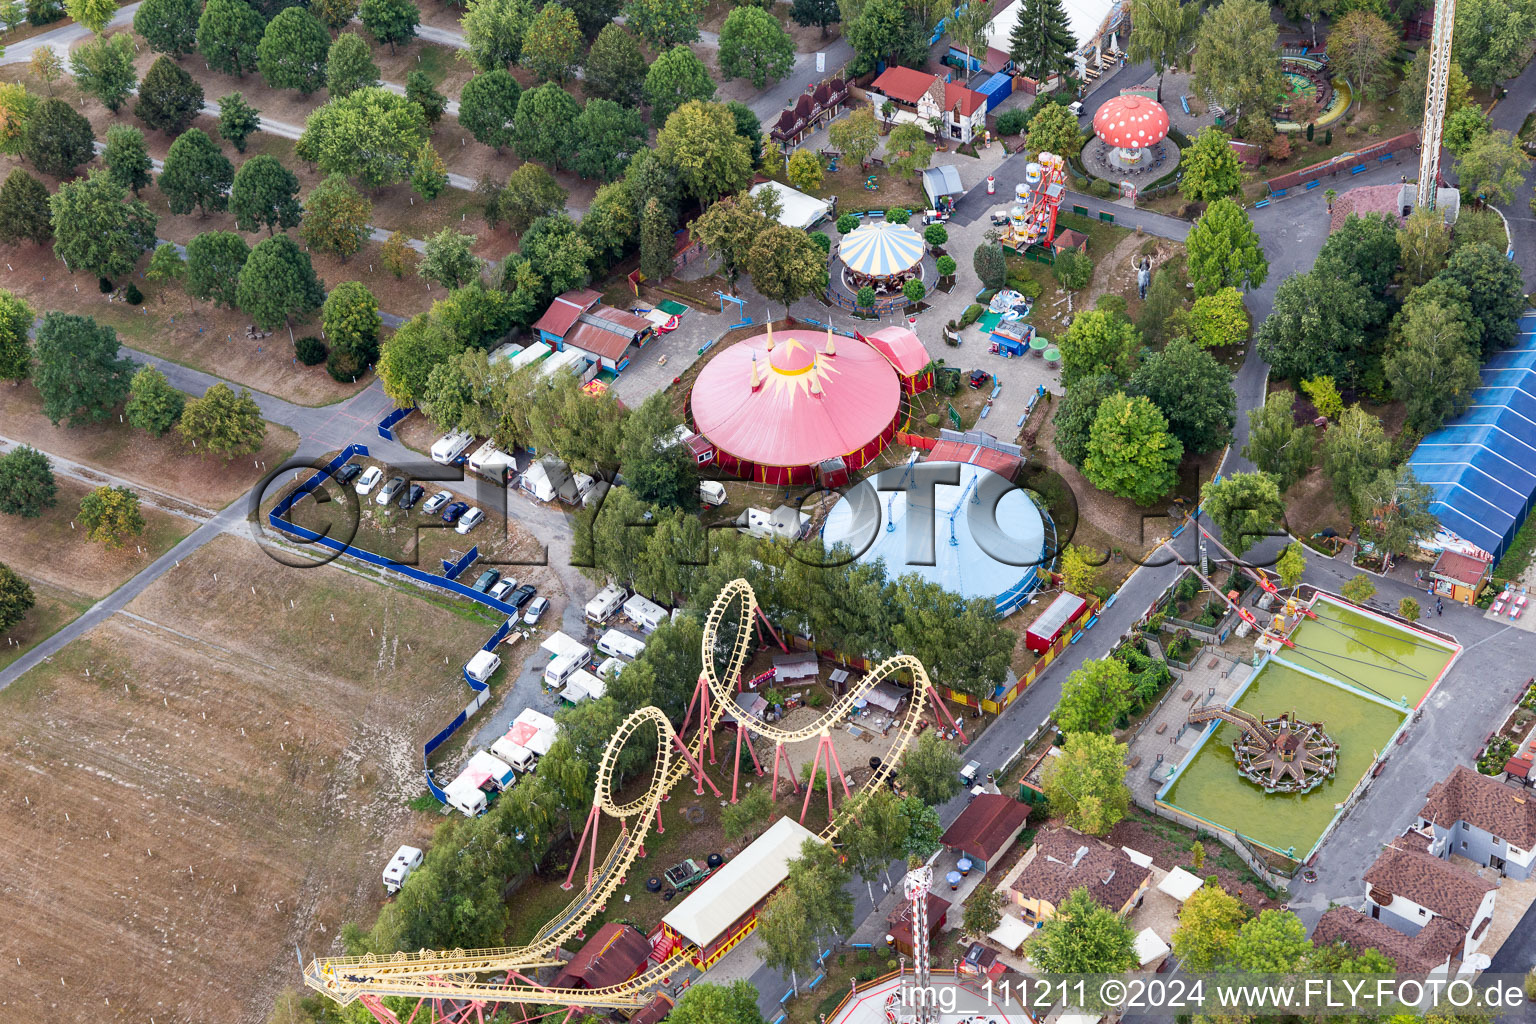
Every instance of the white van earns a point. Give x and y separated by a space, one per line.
405 860
482 666
450 446
492 463
562 668
711 492
620 645
605 603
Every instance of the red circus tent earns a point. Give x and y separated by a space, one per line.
906 353
777 405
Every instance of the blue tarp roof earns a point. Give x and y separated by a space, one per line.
1482 464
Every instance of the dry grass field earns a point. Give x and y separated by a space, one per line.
211 779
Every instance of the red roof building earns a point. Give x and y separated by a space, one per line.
986 828
616 953
898 923
1459 577
905 85
961 100
564 310
776 406
906 353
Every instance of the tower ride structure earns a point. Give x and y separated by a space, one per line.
1434 102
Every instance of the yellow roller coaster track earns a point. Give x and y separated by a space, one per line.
457 973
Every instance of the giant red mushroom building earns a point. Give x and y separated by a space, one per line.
1131 124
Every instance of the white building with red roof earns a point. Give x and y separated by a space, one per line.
920 96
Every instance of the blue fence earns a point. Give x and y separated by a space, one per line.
386 425
276 519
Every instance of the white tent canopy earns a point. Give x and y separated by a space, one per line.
1138 858
1011 933
1149 947
797 210
1180 884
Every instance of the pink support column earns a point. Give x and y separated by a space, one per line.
591 826
780 753
381 1013
941 713
698 769
736 761
810 787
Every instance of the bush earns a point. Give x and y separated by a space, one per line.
132 295
946 265
1029 288
1079 184
1012 122
932 419
935 234
823 240
343 366
847 222
866 297
898 216
972 314
1102 189
311 351
105 284
914 291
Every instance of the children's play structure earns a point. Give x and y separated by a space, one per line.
1032 220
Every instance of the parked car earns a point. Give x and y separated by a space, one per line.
369 480
999 217
536 610
522 595
452 512
388 492
969 772
472 519
485 581
979 379
411 496
346 473
437 501
1075 108
502 589
935 216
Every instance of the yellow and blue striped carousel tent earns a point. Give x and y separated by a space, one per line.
881 249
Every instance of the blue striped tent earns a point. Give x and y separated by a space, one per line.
881 249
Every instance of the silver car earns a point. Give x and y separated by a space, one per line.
436 502
390 491
536 610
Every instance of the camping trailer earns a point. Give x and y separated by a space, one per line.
399 868
644 613
482 666
560 642
711 492
620 645
492 463
499 771
610 669
559 671
466 797
450 446
605 603
514 754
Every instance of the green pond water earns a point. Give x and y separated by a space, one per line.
1211 788
1366 652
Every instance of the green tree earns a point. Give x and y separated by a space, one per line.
1410 93
349 65
1041 41
78 372
1083 937
546 126
786 265
1354 450
676 77
1358 589
788 939
26 483
103 69
1211 170
293 51
1130 451
1425 244
1094 697
1362 46
1291 564
223 422
1086 783
1054 129
664 23
1073 270
17 108
488 107
1487 39
1364 250
930 770
1162 33
196 174
16 597
278 283
214 262
1492 168
606 135
449 259
820 13
334 14
805 170
1324 394
700 140
96 228
552 44
397 254
729 228
336 218
1274 942
1098 342
1224 250
127 158
658 469
958 641
531 192
1396 508
990 265
1164 305
371 133
856 135
1276 444
493 31
907 150
738 819
351 320
1234 63
1207 928
708 1003
227 36
169 98
110 515
407 357
754 46
1075 415
657 243
1464 128
429 175
419 90
24 213
238 120
168 26
562 255
153 405
615 68
264 194
389 21
93 14
165 264
1193 391
610 225
1218 319
1244 506
1493 293
1433 369
819 878
885 31
56 138
983 911
47 65
1317 327
15 346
